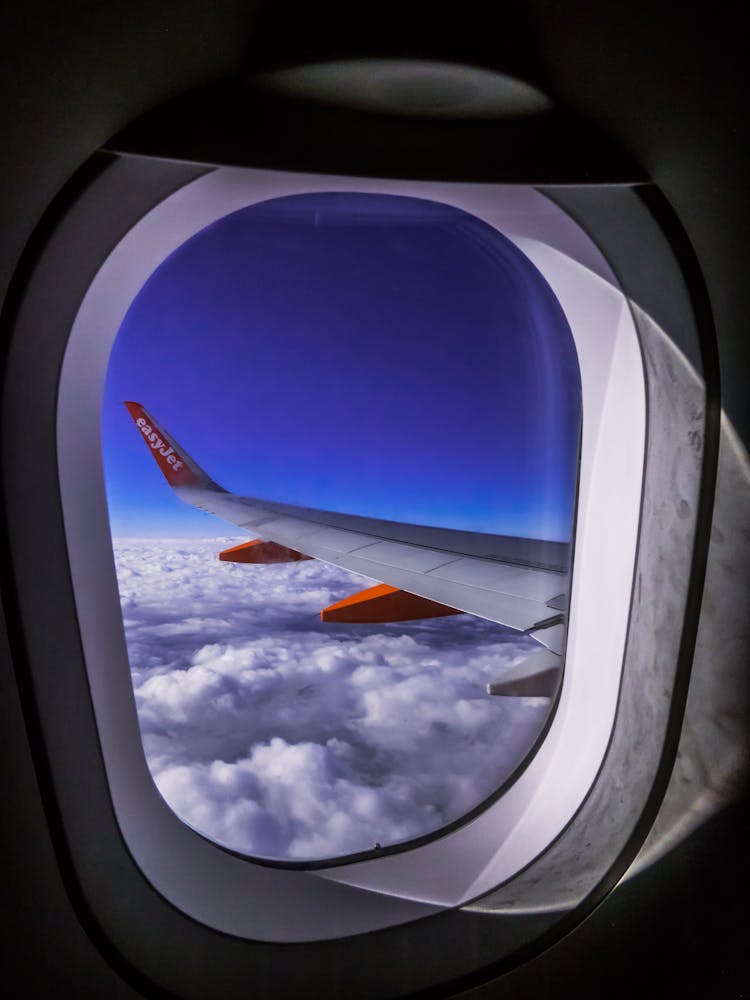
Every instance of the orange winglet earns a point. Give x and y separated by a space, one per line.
259 551
384 604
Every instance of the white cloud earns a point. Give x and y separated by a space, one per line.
279 735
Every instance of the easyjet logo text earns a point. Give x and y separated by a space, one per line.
158 445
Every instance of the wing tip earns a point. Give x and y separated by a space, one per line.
175 464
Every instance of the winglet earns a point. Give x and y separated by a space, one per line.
176 465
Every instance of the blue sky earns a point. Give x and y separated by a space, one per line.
372 354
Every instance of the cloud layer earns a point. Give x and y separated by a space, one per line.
283 737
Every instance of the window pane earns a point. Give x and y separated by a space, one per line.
382 356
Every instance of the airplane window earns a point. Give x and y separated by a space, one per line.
368 406
349 594
454 508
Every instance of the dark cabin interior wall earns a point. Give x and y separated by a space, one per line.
671 86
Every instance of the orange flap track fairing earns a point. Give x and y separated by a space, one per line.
259 551
383 603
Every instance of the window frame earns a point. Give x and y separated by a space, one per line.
491 846
120 907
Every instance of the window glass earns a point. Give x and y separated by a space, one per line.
386 357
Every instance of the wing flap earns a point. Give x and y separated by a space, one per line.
553 637
411 557
535 586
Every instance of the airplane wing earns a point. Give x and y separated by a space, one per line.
425 572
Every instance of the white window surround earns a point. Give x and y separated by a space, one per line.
248 899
